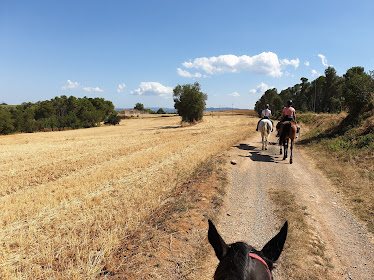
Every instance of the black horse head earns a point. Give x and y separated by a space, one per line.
240 261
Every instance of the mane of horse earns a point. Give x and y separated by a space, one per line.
235 263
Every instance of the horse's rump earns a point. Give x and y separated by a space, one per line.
285 132
265 126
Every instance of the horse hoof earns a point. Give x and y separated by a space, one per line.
266 149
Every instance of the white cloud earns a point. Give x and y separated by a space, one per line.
90 89
153 89
306 63
73 85
266 63
70 85
234 94
261 88
294 62
121 87
187 74
314 73
324 60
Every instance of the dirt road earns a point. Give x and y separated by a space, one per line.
247 211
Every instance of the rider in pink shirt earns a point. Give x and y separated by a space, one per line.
288 114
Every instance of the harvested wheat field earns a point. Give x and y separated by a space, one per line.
68 198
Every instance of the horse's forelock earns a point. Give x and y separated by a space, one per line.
235 265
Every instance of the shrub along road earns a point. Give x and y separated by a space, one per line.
325 241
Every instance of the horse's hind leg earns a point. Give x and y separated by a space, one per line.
291 148
285 146
266 143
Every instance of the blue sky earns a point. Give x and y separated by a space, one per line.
138 51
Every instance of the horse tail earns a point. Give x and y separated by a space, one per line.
285 131
268 127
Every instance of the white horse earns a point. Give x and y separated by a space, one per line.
265 126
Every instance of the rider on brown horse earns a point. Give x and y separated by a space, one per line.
288 114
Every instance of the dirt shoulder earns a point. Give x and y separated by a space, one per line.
247 213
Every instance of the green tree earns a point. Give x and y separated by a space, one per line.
6 122
161 111
139 106
332 91
149 111
274 100
358 90
189 101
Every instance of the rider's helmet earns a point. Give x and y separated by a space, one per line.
267 106
289 102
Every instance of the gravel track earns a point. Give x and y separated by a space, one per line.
247 213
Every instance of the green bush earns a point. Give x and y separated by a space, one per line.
189 101
113 119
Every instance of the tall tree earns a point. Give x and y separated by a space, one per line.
139 106
190 102
359 90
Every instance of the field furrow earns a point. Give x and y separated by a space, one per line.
64 214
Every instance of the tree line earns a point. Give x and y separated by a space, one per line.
56 114
72 113
354 92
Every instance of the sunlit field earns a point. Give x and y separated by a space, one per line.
68 198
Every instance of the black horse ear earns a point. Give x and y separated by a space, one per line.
274 247
219 246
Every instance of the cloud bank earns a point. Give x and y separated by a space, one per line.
121 87
153 89
91 89
187 74
265 63
324 60
70 85
234 94
76 85
261 88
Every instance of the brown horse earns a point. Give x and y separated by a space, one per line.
287 131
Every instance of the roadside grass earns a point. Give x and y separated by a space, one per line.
302 247
344 150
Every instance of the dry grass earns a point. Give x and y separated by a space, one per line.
303 246
172 243
69 198
244 112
